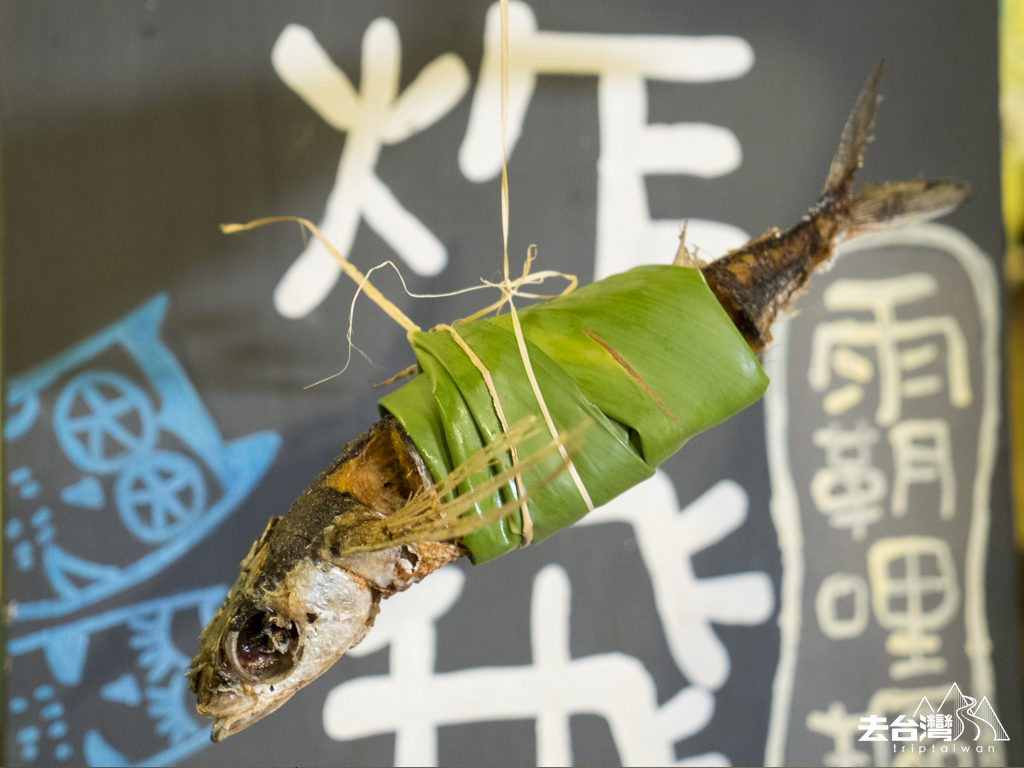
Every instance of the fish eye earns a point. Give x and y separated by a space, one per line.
264 648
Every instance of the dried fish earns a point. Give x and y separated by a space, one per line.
642 360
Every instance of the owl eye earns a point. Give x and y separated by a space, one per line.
264 648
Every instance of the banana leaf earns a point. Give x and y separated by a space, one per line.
646 358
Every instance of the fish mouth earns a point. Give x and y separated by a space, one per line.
226 705
228 723
230 710
226 726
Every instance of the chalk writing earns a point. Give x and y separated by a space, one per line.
129 654
373 116
140 455
631 148
555 685
896 571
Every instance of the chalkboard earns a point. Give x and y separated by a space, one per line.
828 577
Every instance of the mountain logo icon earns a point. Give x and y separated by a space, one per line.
970 718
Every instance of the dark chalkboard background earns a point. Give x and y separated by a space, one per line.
130 130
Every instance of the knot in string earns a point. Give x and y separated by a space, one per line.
510 288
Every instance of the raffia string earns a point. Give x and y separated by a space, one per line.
349 268
506 290
524 509
509 288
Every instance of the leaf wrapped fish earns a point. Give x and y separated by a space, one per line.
611 353
640 361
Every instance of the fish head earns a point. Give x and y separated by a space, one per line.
276 631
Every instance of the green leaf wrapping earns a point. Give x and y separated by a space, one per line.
648 357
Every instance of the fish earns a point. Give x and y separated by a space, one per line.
372 524
378 520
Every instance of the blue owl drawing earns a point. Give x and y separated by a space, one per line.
133 670
113 429
114 470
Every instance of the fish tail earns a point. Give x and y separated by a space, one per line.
856 134
898 203
879 206
757 281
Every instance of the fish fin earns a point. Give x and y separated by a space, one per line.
856 132
897 203
428 517
877 206
755 282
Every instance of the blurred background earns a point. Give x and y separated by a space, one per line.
1011 104
793 581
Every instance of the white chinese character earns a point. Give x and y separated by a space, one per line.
922 453
838 724
373 116
873 725
555 686
849 489
689 607
849 590
630 147
915 592
904 728
899 364
938 726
